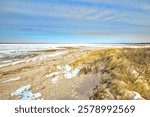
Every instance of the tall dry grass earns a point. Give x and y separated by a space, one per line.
122 71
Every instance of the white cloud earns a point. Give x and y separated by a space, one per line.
127 16
58 10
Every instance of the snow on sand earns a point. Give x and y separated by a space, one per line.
42 57
25 93
12 79
65 71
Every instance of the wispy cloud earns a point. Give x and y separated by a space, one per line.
85 17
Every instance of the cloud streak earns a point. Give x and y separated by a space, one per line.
85 17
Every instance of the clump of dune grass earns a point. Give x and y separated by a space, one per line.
122 72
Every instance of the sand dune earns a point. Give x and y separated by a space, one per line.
66 73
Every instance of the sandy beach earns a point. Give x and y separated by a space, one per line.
48 74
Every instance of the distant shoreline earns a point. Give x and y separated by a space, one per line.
77 43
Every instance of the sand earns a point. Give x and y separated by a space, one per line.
50 75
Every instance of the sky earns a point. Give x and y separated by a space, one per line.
74 21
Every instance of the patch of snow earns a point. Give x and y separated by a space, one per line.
36 95
21 90
52 74
68 75
4 65
43 57
12 79
55 54
13 63
28 60
25 93
70 72
136 96
75 72
7 61
59 67
67 71
17 62
54 80
68 68
34 59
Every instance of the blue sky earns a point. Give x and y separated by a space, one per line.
74 21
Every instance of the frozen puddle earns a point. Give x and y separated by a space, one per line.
12 79
66 72
25 93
